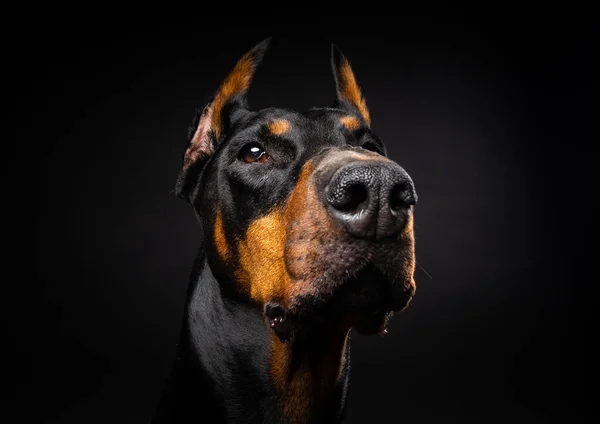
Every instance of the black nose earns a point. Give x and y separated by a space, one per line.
371 199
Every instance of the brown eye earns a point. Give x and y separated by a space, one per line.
253 153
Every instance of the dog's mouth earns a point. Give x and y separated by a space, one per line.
364 301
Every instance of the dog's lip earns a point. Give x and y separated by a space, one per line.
365 300
363 280
366 285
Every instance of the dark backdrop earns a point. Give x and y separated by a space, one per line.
478 113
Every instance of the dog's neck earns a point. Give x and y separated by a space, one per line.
250 373
310 373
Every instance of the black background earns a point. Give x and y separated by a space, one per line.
489 117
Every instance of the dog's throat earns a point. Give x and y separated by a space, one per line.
308 371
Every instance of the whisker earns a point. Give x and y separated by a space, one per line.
426 273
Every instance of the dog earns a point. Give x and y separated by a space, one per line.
307 233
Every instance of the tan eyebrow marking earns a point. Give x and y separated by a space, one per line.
350 122
279 126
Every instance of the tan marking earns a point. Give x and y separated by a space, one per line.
237 82
279 126
264 275
306 387
280 258
309 230
295 391
220 240
262 269
263 272
350 122
350 90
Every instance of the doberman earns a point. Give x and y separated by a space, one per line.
307 233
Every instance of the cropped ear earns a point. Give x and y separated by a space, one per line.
349 97
212 123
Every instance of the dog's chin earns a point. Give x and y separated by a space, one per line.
365 302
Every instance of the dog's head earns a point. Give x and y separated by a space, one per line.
303 214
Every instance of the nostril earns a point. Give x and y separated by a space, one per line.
400 197
353 198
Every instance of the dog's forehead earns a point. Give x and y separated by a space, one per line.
294 120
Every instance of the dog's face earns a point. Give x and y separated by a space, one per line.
303 214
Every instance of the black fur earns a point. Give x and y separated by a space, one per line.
221 373
221 370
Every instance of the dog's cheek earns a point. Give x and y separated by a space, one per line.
306 232
302 250
260 269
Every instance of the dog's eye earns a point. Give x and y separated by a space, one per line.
253 153
369 145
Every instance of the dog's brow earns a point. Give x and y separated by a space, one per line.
279 126
350 122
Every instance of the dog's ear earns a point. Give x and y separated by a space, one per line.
212 123
349 96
